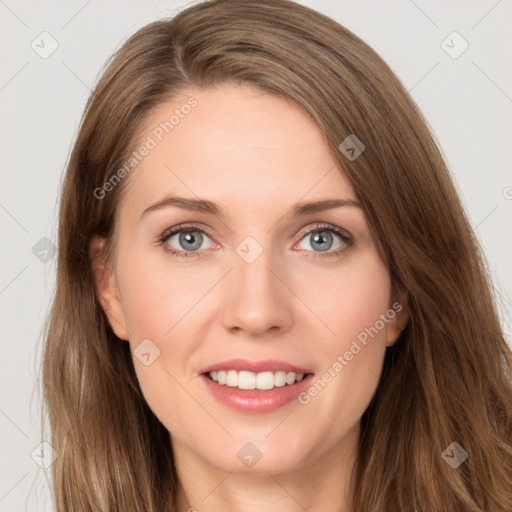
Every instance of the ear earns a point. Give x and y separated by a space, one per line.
400 305
106 288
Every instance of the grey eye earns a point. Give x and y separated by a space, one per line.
321 241
190 240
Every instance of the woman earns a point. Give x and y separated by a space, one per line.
268 293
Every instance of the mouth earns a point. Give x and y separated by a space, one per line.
256 386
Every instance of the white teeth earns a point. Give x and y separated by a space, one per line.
290 377
250 380
279 379
246 380
232 379
265 380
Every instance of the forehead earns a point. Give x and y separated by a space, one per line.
235 144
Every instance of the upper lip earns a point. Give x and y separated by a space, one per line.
266 365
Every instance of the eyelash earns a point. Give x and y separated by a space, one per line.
343 235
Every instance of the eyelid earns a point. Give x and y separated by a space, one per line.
319 226
186 226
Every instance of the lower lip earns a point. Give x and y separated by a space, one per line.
257 401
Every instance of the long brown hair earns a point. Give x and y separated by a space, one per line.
447 380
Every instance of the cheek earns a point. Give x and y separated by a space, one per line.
352 345
156 302
156 297
365 298
346 299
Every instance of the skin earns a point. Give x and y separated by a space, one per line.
256 155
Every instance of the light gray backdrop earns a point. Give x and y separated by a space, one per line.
46 78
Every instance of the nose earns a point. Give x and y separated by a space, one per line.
257 299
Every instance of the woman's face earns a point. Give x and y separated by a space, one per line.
251 287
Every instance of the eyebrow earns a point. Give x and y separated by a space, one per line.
205 206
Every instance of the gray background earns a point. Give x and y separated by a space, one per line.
467 101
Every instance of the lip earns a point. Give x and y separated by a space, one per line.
267 365
256 401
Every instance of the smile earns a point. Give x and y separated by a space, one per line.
255 386
249 380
